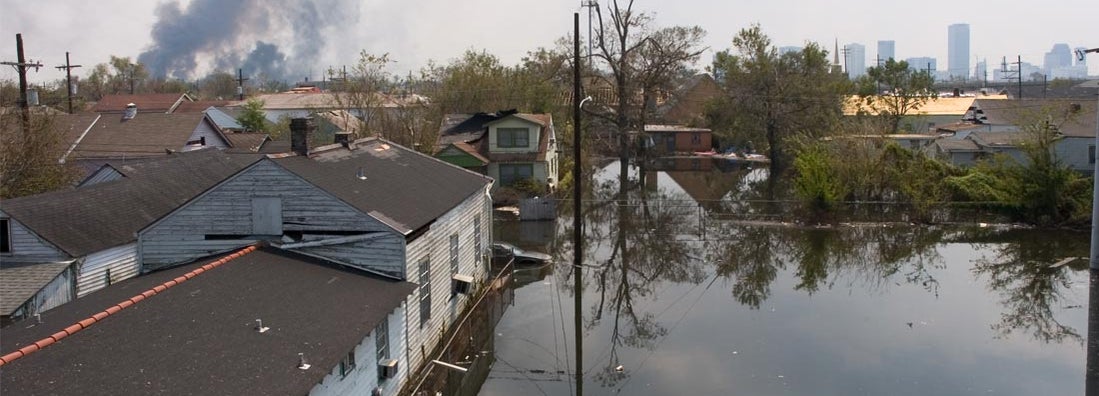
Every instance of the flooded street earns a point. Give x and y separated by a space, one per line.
680 297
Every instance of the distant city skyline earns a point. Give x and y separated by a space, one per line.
415 31
957 57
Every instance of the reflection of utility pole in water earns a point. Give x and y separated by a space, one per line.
577 231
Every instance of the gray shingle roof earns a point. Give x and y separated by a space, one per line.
104 215
198 337
19 282
403 188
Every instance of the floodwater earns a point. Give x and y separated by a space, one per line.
682 298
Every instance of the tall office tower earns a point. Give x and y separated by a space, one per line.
922 64
1060 56
886 50
788 49
856 59
957 59
980 73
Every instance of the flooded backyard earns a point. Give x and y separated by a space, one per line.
689 291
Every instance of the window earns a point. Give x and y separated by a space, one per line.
696 138
5 236
512 137
347 365
454 255
381 339
511 173
1091 154
477 238
425 291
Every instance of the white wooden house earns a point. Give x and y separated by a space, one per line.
368 204
94 228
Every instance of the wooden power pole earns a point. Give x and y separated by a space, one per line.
21 65
68 79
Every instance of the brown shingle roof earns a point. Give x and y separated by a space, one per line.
156 103
148 134
198 106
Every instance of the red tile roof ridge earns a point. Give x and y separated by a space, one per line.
83 324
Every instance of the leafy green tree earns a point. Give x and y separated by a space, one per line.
252 116
905 90
772 98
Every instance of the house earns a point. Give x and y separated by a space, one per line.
1001 127
670 139
92 230
508 146
146 103
367 204
924 118
260 321
687 104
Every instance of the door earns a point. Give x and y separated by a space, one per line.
266 216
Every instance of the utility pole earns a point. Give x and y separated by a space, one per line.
68 78
240 84
21 66
589 4
132 67
1091 372
1019 77
577 223
845 70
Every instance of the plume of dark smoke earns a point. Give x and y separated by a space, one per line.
275 38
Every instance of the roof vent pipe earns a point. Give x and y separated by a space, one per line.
302 365
130 112
260 328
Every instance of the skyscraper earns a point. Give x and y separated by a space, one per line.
957 57
1060 56
855 59
886 50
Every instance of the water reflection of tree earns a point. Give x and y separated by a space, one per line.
1021 271
643 237
751 255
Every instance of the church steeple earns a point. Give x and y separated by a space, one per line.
836 67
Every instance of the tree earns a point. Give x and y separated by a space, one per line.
639 61
252 117
905 90
362 92
774 98
218 86
29 158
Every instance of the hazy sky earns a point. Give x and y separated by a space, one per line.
415 31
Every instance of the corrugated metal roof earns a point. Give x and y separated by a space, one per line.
198 337
943 105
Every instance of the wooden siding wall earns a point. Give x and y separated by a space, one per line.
364 378
59 291
384 254
26 246
435 244
102 175
204 130
120 260
227 210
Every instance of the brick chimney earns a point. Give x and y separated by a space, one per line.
301 131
